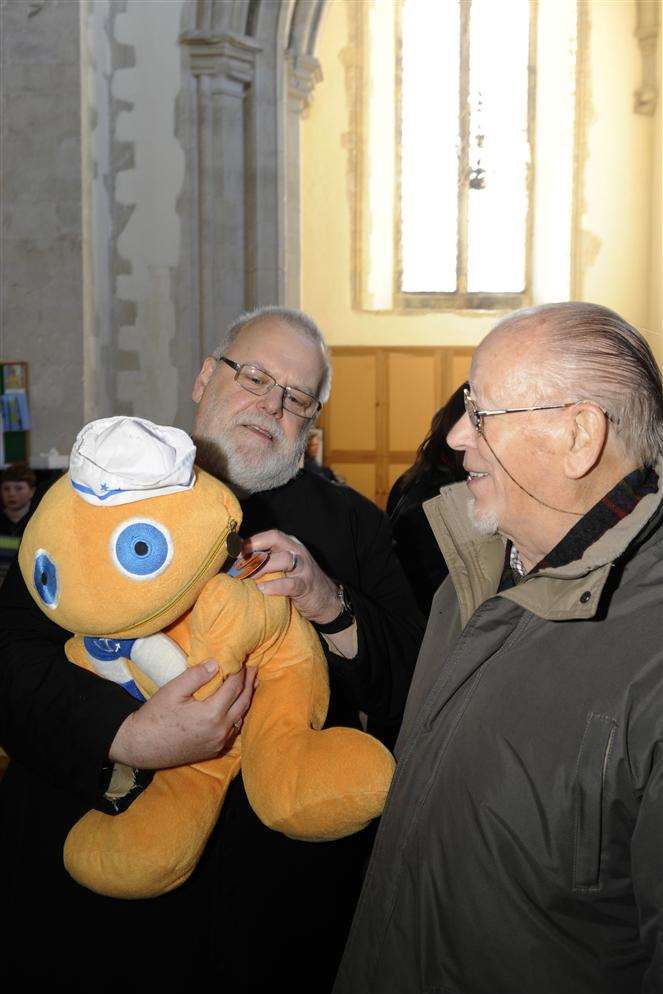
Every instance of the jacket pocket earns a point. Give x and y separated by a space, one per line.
588 792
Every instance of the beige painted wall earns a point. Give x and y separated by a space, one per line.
655 315
616 222
618 179
327 215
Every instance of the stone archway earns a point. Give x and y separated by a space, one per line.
251 71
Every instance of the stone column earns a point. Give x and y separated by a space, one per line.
249 93
647 34
224 69
303 72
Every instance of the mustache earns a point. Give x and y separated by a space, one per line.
257 420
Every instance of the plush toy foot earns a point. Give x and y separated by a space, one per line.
316 786
154 845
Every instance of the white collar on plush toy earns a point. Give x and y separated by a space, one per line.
120 460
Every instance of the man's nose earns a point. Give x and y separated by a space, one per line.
272 402
463 435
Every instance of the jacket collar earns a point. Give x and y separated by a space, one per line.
561 593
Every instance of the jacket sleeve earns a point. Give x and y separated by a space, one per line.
389 625
55 718
647 870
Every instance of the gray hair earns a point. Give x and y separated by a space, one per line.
591 353
295 320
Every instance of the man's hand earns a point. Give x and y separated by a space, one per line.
313 593
174 728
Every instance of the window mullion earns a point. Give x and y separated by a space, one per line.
463 151
398 153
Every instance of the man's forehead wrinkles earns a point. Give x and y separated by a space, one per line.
500 380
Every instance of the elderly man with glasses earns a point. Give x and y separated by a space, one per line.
521 850
261 911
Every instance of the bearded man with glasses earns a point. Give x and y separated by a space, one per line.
521 850
260 912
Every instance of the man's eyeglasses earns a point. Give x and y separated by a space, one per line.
257 381
476 416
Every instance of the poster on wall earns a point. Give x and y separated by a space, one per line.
15 411
13 376
15 420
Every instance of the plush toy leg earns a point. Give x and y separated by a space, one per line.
154 845
308 784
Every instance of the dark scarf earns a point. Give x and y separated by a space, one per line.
610 509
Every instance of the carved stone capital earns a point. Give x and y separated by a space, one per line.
230 56
303 73
647 34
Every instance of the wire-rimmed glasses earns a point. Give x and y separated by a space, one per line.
259 382
476 416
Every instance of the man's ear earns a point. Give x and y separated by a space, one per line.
202 379
589 431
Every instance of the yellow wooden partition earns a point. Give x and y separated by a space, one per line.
380 409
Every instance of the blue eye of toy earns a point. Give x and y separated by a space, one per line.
141 549
45 578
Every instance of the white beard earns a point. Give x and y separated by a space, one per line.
486 523
223 457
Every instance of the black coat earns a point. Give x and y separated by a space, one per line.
260 910
419 553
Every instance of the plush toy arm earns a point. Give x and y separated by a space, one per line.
306 783
154 845
309 784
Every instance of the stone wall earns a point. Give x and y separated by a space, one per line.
41 286
190 185
136 352
151 149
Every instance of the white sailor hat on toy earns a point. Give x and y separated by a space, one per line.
121 460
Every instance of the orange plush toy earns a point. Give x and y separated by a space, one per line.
125 552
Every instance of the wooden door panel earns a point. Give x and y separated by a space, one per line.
412 399
352 412
361 476
460 369
380 409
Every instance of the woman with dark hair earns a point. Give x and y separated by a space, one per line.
436 466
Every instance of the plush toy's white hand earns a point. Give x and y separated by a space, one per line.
158 657
174 728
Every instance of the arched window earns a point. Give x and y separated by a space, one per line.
467 153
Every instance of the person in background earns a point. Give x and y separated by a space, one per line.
312 464
436 466
17 489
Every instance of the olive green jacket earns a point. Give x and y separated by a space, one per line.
521 849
